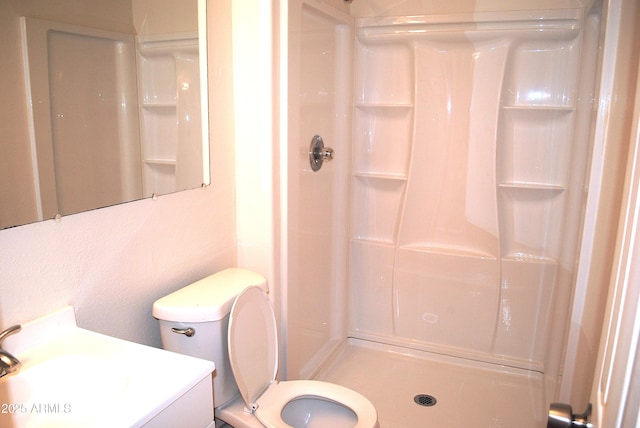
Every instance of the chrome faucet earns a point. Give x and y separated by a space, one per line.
8 363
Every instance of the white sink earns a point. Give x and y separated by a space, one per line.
62 391
72 377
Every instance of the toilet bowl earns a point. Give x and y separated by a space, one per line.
314 404
252 339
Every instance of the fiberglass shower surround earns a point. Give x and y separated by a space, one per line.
471 146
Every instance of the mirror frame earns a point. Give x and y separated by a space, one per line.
203 55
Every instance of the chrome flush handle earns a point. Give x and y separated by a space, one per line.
186 331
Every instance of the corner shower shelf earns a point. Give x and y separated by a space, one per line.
379 176
528 258
373 106
159 133
152 105
160 161
387 243
539 115
450 250
536 187
164 65
537 107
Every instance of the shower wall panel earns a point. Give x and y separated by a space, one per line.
317 214
465 155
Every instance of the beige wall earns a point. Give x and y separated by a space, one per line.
164 16
114 15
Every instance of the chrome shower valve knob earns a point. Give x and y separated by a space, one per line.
318 153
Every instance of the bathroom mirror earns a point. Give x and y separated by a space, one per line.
104 102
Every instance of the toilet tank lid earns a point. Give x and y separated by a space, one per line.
209 299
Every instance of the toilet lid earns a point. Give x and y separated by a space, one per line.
253 343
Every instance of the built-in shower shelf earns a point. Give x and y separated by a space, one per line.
167 70
536 107
380 242
528 258
532 187
451 250
381 106
152 105
380 176
160 161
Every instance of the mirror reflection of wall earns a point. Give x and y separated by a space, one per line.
101 104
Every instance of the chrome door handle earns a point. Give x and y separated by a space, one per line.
561 416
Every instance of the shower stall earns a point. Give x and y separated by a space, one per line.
469 156
448 229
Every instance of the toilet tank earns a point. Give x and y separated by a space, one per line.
204 306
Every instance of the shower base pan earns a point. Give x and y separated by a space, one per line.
414 389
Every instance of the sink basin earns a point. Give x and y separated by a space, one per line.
72 377
47 393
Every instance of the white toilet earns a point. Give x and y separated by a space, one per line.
227 318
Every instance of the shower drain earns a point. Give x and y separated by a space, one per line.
425 400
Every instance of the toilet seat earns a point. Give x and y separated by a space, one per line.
279 394
253 344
